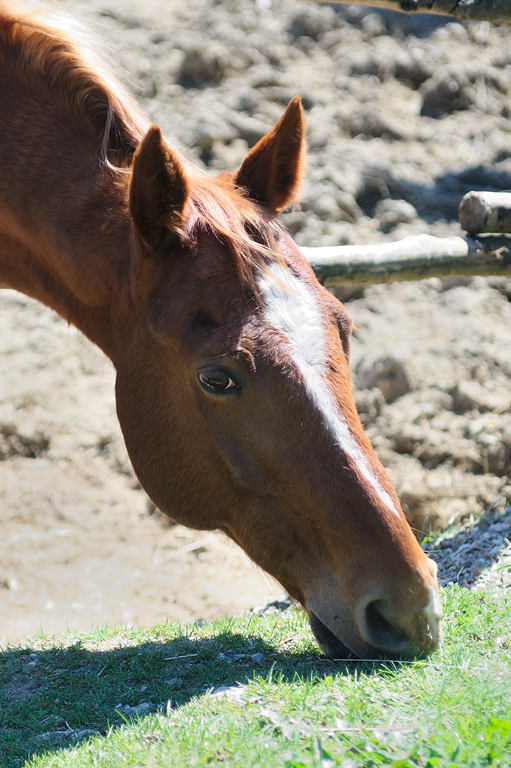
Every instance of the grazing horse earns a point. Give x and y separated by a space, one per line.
233 384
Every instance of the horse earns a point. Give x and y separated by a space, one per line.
233 385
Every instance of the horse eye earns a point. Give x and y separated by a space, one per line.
217 381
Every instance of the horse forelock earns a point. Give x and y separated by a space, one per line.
53 48
248 231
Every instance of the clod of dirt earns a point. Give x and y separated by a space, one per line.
412 67
370 404
389 374
472 396
447 91
203 65
12 443
311 22
390 213
432 497
373 25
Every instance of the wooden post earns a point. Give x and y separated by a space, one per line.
486 212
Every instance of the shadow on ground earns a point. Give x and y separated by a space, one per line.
465 551
439 201
53 699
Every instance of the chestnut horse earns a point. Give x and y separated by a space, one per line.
233 383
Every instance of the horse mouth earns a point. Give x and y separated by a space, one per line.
390 642
327 641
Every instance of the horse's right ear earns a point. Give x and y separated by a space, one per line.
272 171
158 189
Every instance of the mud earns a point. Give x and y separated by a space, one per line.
405 115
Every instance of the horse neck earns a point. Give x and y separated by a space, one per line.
65 233
83 276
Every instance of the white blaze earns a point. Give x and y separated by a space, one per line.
292 310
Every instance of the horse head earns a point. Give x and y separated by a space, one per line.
234 395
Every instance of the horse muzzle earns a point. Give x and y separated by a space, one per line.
377 630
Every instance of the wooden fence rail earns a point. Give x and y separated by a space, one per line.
496 11
413 258
421 256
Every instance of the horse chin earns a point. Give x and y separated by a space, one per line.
331 645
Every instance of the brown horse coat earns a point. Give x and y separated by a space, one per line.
233 383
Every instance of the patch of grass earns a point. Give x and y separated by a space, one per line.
129 699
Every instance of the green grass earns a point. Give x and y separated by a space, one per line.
294 709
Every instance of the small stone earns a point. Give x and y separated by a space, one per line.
137 711
390 213
257 658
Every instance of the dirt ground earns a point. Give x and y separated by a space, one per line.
405 115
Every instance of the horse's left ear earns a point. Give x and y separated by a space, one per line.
158 189
272 171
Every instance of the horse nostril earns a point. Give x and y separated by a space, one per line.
381 633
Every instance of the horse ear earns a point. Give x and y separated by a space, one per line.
272 171
158 189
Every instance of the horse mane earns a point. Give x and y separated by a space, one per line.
54 48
